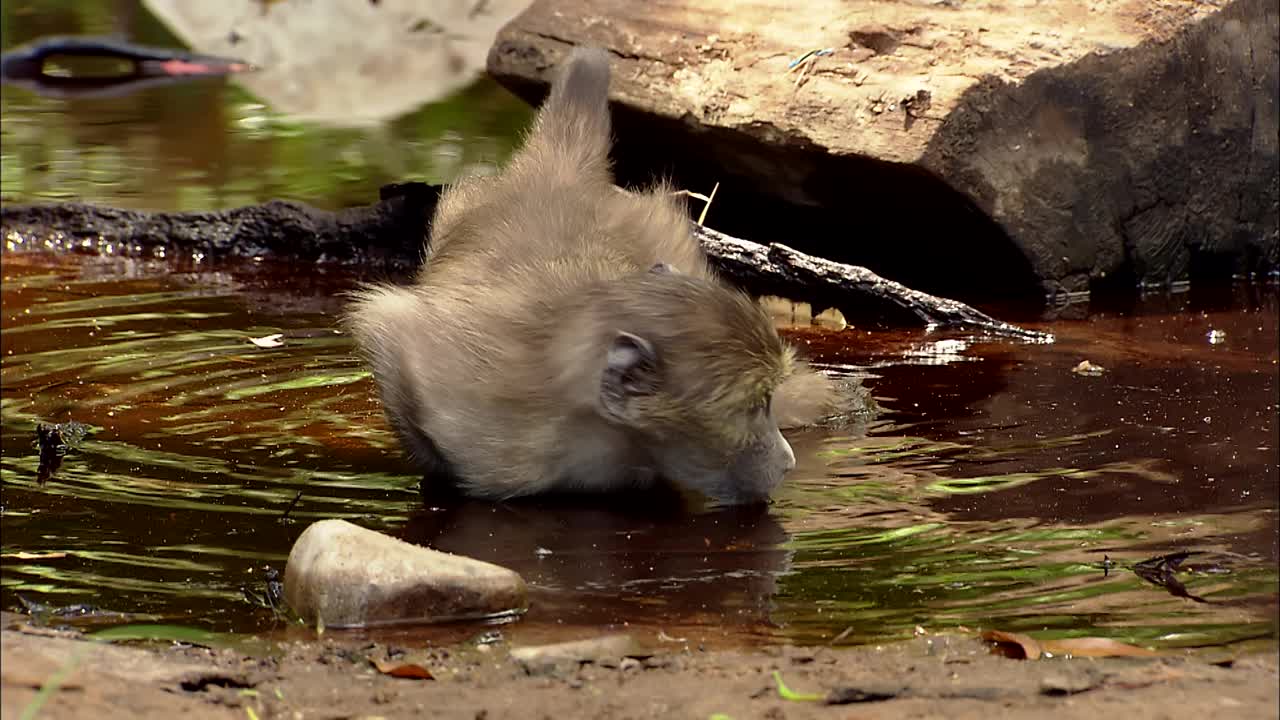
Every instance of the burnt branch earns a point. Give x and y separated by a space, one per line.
391 233
855 291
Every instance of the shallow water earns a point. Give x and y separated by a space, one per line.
987 493
210 144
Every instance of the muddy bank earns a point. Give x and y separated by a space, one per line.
1044 148
931 676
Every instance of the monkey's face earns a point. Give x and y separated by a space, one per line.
734 473
697 393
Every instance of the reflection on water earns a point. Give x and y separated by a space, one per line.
211 144
312 66
988 493
636 561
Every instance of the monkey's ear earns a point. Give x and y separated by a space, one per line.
631 370
663 269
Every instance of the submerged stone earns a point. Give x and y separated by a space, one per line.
343 575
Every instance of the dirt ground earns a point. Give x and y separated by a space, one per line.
931 676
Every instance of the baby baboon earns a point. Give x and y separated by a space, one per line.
565 335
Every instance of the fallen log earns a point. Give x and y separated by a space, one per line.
858 293
390 233
1033 148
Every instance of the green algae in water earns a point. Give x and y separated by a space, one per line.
876 584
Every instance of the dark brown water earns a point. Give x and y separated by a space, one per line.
987 494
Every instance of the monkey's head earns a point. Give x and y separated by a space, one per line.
689 369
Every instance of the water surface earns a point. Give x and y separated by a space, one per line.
210 144
986 494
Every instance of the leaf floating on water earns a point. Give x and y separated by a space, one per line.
1095 647
1013 645
1160 571
55 441
1088 369
269 341
409 671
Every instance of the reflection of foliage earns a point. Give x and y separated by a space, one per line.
210 145
878 561
888 449
318 380
989 483
881 582
857 458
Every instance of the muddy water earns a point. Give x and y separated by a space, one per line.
988 492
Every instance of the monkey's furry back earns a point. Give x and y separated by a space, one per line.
555 201
493 366
512 258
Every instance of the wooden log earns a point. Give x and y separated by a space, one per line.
955 145
391 233
860 295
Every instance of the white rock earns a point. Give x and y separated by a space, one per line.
607 650
343 575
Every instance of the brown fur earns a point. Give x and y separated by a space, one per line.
492 365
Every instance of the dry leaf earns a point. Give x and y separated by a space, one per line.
1088 369
1095 647
403 670
1013 645
269 341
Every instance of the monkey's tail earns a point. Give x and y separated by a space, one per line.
573 125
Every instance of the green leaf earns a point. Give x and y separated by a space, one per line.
787 693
